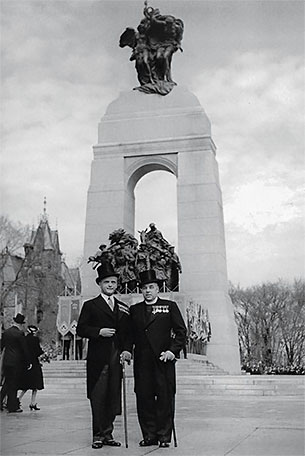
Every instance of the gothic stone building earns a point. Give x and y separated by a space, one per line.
31 284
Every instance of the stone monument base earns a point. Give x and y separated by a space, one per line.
212 302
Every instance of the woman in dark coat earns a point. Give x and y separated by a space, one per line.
32 378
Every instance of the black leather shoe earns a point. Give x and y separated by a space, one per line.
148 442
163 445
111 442
19 410
33 407
97 443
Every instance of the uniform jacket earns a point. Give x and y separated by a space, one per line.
164 330
95 315
16 352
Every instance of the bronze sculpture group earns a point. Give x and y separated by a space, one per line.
157 38
129 258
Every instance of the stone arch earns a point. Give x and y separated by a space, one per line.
138 168
135 169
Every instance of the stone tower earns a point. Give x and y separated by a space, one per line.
140 133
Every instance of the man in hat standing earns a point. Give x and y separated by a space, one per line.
159 334
15 359
105 321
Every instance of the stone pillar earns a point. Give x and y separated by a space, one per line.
141 133
202 251
105 210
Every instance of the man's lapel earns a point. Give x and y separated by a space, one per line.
116 309
103 306
152 316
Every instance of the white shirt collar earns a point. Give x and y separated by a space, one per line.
152 302
107 298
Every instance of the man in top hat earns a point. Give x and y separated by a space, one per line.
15 360
154 322
105 321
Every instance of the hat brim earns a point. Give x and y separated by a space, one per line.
145 282
99 279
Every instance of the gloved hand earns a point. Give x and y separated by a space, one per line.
167 356
107 332
125 356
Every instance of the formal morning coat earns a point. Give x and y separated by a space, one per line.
95 315
163 330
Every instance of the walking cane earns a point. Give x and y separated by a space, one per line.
174 429
124 404
173 412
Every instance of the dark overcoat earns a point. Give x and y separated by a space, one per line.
164 330
95 315
16 351
15 360
33 378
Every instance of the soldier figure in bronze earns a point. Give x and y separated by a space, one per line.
129 259
157 38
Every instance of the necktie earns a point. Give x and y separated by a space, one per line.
110 303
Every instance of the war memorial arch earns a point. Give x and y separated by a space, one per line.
162 126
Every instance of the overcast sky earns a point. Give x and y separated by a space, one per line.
244 60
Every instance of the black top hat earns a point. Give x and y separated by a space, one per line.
105 270
148 276
20 319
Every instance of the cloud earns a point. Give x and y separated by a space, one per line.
62 66
256 106
273 253
257 97
261 203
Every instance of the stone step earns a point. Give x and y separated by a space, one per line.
282 381
194 362
242 379
82 374
65 365
195 393
195 378
203 386
66 368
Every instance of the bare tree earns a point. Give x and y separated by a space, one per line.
271 323
292 324
13 235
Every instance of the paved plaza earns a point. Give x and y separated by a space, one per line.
206 426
